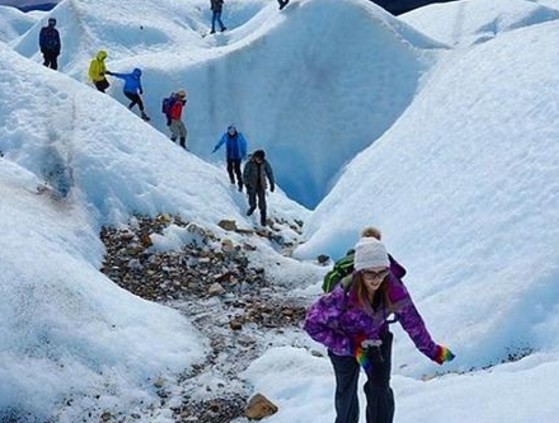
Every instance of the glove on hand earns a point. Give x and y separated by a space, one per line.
443 354
360 352
142 92
272 188
168 121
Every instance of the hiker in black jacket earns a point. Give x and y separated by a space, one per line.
256 170
49 42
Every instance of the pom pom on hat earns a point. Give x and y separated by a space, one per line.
370 252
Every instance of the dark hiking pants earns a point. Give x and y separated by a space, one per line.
50 59
102 85
216 17
135 99
234 168
380 398
259 194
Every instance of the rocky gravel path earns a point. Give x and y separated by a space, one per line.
233 303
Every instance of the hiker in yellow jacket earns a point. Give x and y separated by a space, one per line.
97 71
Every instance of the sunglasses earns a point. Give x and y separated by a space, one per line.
370 274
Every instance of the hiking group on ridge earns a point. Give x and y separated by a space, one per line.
256 173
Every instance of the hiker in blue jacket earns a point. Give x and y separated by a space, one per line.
132 89
235 152
49 43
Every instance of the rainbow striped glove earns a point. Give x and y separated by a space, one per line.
361 353
443 354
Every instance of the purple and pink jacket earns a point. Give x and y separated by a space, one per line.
338 322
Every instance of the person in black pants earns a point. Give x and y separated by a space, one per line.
132 89
377 386
49 42
353 320
283 3
235 152
256 170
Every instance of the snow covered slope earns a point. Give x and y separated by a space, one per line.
359 73
14 23
65 328
474 21
463 184
466 189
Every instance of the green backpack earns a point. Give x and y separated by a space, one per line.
342 268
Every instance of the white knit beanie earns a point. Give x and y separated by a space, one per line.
370 252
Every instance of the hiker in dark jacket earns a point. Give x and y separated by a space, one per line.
256 170
352 322
216 7
49 42
283 3
235 152
132 89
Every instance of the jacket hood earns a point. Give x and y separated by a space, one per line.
101 55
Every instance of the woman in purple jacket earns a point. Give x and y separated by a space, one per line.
352 322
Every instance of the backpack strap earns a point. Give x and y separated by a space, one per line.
347 282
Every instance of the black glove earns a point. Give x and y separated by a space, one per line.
272 187
106 72
142 92
168 121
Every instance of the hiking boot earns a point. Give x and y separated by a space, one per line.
250 211
145 117
283 4
212 31
240 187
183 143
223 29
263 221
